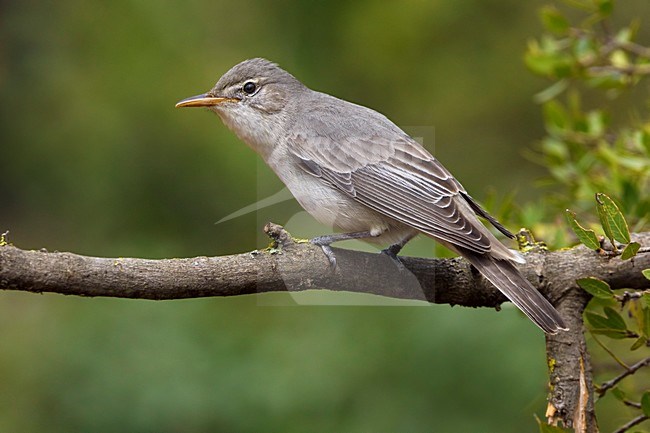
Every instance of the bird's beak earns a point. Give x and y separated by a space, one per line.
204 100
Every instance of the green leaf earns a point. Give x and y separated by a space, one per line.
595 287
605 326
555 116
596 122
619 58
644 140
612 219
586 237
553 20
551 92
611 333
614 319
624 35
640 342
605 7
584 49
646 273
640 312
547 428
630 250
539 62
614 80
642 315
618 393
597 321
645 403
555 150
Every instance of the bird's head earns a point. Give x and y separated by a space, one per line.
250 99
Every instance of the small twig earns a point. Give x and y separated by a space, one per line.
638 420
628 296
626 70
606 349
634 48
602 389
631 403
619 251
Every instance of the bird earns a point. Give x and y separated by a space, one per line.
352 168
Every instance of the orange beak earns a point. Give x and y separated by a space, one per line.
204 100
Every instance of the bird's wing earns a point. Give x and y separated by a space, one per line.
397 178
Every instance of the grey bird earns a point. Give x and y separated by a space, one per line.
353 169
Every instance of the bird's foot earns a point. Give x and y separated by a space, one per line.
324 243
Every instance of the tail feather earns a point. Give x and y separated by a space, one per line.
505 276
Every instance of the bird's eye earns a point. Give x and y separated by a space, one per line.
250 87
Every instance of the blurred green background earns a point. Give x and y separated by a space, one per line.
96 160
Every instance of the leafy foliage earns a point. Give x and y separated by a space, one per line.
593 148
613 224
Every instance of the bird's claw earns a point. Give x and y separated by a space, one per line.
324 243
330 255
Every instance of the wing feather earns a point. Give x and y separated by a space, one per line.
397 178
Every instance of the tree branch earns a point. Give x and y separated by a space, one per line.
630 370
635 421
297 266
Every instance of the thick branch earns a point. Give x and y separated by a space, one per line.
571 399
297 266
301 266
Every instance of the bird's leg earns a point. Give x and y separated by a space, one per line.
325 241
394 250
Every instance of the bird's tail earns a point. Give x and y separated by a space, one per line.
505 276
